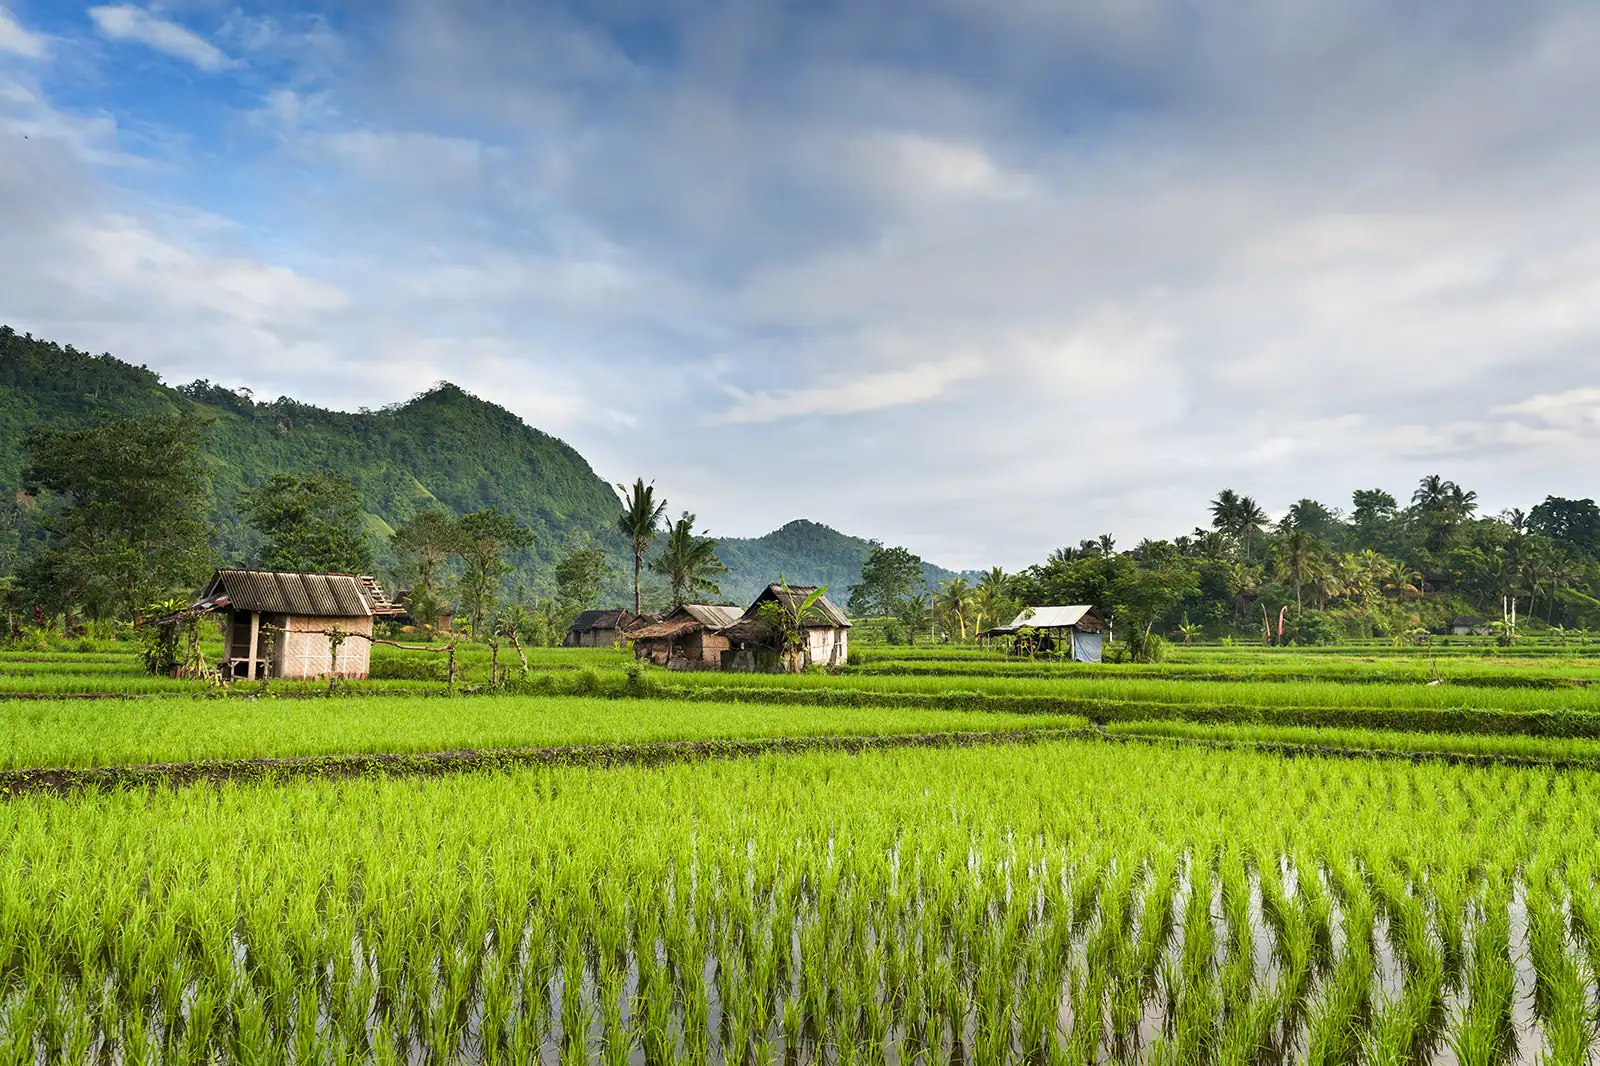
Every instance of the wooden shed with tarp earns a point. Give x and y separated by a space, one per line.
1072 632
277 622
689 638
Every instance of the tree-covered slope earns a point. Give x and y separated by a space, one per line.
445 447
804 553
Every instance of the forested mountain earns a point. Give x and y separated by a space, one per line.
445 448
804 553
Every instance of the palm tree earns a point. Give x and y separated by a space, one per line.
1402 580
1108 545
955 600
1250 520
689 562
1225 511
639 522
991 598
1298 550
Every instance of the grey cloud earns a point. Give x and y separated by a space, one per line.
1018 273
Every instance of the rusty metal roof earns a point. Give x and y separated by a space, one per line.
288 592
712 615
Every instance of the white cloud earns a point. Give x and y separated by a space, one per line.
1576 410
851 393
17 40
126 22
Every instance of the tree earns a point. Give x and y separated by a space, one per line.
582 569
689 562
991 600
1439 506
1238 516
1189 630
955 601
423 545
1299 549
126 520
639 522
312 524
486 536
1575 522
1142 595
888 578
913 614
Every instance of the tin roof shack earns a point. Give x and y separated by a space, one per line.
689 638
1073 632
601 629
278 621
754 646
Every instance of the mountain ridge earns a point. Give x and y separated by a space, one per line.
444 446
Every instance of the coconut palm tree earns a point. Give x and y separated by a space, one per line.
689 562
955 602
639 522
1298 550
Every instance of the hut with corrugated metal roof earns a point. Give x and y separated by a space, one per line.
688 638
278 622
1073 631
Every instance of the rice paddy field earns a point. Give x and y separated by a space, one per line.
1366 854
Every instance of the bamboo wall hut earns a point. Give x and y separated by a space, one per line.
689 638
277 622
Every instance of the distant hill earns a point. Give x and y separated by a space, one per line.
444 447
804 553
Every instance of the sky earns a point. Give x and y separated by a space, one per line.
979 277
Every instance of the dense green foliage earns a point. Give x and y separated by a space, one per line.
121 513
311 523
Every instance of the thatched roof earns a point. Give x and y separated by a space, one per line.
615 619
822 613
294 593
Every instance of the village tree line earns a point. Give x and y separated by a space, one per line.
118 526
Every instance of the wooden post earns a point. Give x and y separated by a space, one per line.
255 641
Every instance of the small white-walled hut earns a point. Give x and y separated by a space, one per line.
278 620
753 646
1065 629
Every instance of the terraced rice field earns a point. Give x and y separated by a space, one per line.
1172 867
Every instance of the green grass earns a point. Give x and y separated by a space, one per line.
1486 746
85 734
1100 686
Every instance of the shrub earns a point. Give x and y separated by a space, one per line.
1316 627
